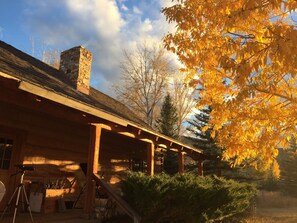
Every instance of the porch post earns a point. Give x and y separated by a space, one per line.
150 159
93 160
181 162
200 167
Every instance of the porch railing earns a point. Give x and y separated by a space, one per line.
119 201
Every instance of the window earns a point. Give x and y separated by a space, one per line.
5 152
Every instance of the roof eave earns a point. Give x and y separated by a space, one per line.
69 102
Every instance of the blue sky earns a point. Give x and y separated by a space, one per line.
105 27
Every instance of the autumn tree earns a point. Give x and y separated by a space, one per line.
145 72
201 137
184 101
48 56
243 55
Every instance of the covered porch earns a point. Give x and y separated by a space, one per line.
142 145
112 149
56 135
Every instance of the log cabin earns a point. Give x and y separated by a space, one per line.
53 120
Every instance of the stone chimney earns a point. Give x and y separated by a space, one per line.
76 64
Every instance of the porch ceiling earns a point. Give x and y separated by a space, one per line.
145 135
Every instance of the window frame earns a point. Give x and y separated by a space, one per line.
10 148
19 137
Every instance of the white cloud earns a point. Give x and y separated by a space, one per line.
125 8
102 14
100 27
136 10
166 3
146 26
95 24
74 20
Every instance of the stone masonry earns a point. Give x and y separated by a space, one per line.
76 64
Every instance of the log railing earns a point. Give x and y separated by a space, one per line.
119 201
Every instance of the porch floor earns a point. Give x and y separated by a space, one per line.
69 216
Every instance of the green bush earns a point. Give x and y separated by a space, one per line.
186 199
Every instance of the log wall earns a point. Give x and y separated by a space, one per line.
116 155
55 147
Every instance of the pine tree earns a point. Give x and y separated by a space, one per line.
167 125
167 122
288 166
203 140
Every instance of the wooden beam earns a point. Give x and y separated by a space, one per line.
128 134
104 126
29 101
151 137
174 150
169 140
200 167
93 161
8 76
118 129
162 146
181 162
150 159
147 140
125 132
67 101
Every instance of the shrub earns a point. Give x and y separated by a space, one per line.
188 198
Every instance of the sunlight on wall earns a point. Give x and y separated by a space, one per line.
64 165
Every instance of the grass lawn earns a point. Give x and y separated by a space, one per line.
273 215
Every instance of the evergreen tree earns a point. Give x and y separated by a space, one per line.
167 125
204 141
288 167
167 122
